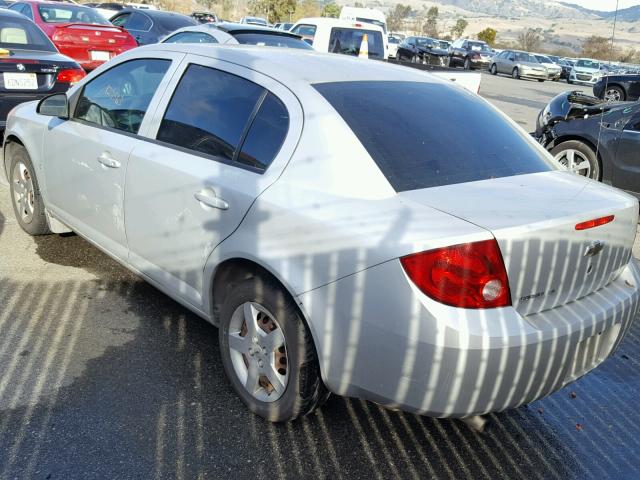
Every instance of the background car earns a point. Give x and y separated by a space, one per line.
30 65
422 50
518 64
393 43
255 21
107 10
150 26
470 54
77 31
4 4
205 17
585 72
284 26
615 88
233 33
592 139
554 71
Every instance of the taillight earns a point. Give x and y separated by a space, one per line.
70 75
596 222
470 275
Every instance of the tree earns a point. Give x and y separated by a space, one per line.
397 16
274 10
331 10
430 27
306 8
458 29
597 47
488 35
359 5
529 40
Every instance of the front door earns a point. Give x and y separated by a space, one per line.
88 155
627 157
190 188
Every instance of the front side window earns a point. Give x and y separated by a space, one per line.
190 37
209 111
412 132
121 20
348 41
119 97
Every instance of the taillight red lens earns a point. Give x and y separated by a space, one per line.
470 275
71 75
596 222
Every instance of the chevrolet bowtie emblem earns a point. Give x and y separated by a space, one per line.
594 248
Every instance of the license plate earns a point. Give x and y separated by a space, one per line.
20 81
98 55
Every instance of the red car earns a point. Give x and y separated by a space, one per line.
79 32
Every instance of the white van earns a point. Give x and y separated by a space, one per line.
343 36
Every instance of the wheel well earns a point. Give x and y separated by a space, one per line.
7 143
229 273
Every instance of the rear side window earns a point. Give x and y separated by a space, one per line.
209 111
349 41
138 21
425 135
119 97
266 135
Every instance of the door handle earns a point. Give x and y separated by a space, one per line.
107 161
211 200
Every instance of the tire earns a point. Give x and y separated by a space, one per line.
414 59
493 70
541 80
581 151
467 64
450 63
515 74
302 391
569 81
28 205
614 94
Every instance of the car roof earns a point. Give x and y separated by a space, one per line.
11 13
232 28
152 13
336 22
290 66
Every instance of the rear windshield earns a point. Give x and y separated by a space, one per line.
175 21
425 135
16 33
272 40
479 46
348 41
71 14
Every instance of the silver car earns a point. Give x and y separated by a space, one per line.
519 65
311 207
554 71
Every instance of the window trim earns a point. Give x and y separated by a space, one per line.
236 152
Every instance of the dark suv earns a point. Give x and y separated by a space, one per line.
470 54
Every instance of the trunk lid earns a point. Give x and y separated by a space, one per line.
95 37
533 218
18 68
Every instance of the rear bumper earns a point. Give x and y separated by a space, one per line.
83 55
380 339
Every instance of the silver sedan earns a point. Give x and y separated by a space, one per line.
322 212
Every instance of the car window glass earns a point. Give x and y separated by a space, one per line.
305 31
416 151
121 20
20 32
348 41
272 40
266 135
209 111
191 37
65 13
119 97
138 21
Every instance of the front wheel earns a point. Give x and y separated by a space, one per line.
493 70
268 353
467 64
578 158
614 94
540 80
515 74
26 199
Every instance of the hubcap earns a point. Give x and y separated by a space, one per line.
574 161
23 193
612 95
258 352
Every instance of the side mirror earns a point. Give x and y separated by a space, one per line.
55 105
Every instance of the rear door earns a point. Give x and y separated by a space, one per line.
627 157
87 156
222 134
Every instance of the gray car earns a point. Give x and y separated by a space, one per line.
518 64
309 206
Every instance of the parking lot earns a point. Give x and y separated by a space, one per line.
103 376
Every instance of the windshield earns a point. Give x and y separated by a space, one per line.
479 46
525 57
71 14
16 33
424 42
442 44
393 40
543 59
373 22
588 64
256 21
414 150
272 40
349 40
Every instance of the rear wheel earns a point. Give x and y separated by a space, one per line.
540 80
414 59
515 74
27 202
268 353
493 70
614 94
467 64
578 158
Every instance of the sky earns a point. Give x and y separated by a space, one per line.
604 5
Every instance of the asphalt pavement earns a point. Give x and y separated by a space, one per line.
103 376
